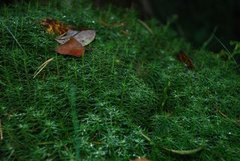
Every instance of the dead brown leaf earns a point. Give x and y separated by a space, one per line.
54 26
185 59
71 47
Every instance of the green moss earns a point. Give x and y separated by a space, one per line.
128 83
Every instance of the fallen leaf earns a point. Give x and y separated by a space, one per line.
141 159
71 47
84 37
62 39
185 152
54 26
184 58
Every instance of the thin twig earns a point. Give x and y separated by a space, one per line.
226 49
223 114
185 152
116 24
20 46
41 67
146 26
146 137
207 42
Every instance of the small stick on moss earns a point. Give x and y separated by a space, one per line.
9 31
225 116
41 67
229 54
116 24
1 131
46 143
146 26
185 152
146 137
207 42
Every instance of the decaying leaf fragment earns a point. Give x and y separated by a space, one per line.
84 37
184 58
141 159
62 39
54 26
71 47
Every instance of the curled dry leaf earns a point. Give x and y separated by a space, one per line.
71 47
184 58
54 26
62 39
84 37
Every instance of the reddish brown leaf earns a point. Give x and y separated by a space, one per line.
71 47
54 26
184 58
141 159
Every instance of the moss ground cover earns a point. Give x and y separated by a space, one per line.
127 97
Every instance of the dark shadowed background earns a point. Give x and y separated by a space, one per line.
196 21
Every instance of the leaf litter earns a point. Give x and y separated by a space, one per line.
185 59
141 159
54 26
84 37
71 47
71 41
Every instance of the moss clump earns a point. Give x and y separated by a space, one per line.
128 85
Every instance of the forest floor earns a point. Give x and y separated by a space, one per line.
127 97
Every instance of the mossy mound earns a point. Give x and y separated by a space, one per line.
129 86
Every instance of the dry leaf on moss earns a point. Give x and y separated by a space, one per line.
54 26
84 37
71 47
72 41
184 58
62 39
